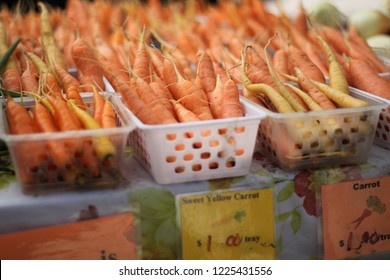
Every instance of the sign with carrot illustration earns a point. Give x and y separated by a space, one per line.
235 224
356 218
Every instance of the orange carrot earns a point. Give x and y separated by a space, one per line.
308 87
142 61
297 58
216 98
108 115
193 97
205 71
98 106
231 106
183 114
87 63
366 78
72 92
280 63
65 77
144 91
51 85
162 93
29 81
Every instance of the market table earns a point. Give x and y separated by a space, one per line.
296 222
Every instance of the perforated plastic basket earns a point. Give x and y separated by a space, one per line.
321 138
199 150
45 175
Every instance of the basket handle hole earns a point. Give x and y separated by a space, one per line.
205 133
239 152
231 141
188 135
214 143
213 165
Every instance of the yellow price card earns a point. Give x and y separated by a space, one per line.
227 225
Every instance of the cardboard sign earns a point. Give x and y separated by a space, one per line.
228 225
104 238
356 218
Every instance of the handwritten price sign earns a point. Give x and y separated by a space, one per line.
228 225
356 218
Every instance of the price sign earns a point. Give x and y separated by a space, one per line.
228 225
97 239
356 218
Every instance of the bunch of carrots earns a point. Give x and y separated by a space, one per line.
57 107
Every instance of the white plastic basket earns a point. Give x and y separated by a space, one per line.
322 138
46 177
204 150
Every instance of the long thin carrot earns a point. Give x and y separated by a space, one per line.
65 77
72 92
162 93
215 98
98 106
337 78
142 61
280 63
29 81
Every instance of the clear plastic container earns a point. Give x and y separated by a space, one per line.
322 138
196 151
36 169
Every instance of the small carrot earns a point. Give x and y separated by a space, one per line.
231 105
98 106
205 71
183 114
142 61
39 64
29 82
72 92
108 115
162 93
215 98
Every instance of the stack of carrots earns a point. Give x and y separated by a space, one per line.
57 107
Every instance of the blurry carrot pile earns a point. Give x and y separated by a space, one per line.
184 61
